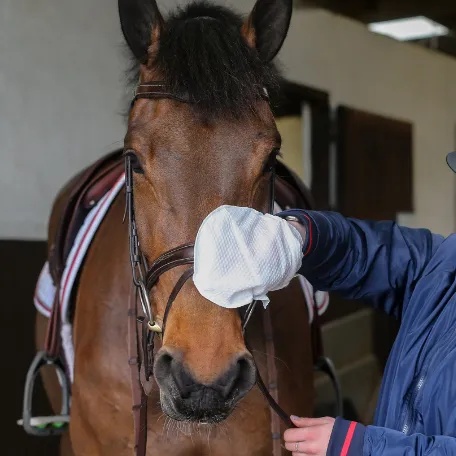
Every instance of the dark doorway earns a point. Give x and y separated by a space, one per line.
20 263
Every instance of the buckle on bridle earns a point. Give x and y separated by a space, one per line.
154 327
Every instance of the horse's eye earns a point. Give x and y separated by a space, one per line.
135 163
271 161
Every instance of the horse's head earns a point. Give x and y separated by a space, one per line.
211 143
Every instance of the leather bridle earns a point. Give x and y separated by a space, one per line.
145 279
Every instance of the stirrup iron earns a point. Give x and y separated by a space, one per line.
45 426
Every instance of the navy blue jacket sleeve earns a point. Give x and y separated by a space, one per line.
379 262
387 442
349 438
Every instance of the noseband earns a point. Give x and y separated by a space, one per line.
146 278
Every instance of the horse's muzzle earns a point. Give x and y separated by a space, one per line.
184 398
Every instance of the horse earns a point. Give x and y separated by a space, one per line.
200 134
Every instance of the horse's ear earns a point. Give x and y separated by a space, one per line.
267 26
141 23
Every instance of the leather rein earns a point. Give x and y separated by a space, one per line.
143 325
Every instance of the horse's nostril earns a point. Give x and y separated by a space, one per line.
169 371
163 364
238 380
166 359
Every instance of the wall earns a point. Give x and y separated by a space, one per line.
291 131
62 87
383 76
296 150
374 73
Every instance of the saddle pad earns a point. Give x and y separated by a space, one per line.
45 289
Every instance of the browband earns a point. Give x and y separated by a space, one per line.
159 89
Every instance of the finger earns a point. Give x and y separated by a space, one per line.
303 447
291 446
303 421
296 435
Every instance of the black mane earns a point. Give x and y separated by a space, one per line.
201 53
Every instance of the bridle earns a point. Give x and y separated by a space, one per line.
145 279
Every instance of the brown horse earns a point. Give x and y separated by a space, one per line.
211 141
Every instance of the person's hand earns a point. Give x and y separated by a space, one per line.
311 437
301 229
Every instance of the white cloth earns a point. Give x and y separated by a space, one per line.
242 254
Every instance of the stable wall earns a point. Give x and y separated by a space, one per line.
62 91
377 74
61 87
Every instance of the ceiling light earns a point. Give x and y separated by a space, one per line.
411 28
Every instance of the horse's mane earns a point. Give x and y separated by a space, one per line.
202 53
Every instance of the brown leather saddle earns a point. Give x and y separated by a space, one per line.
84 190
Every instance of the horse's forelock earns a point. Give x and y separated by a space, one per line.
202 53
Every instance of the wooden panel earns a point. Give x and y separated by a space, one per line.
321 138
374 165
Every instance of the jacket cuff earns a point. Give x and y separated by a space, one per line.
347 438
306 220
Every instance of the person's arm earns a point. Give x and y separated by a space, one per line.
379 262
373 440
335 437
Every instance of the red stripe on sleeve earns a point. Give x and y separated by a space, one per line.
309 234
348 439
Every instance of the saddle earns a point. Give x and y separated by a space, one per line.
74 202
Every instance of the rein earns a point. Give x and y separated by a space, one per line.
143 328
